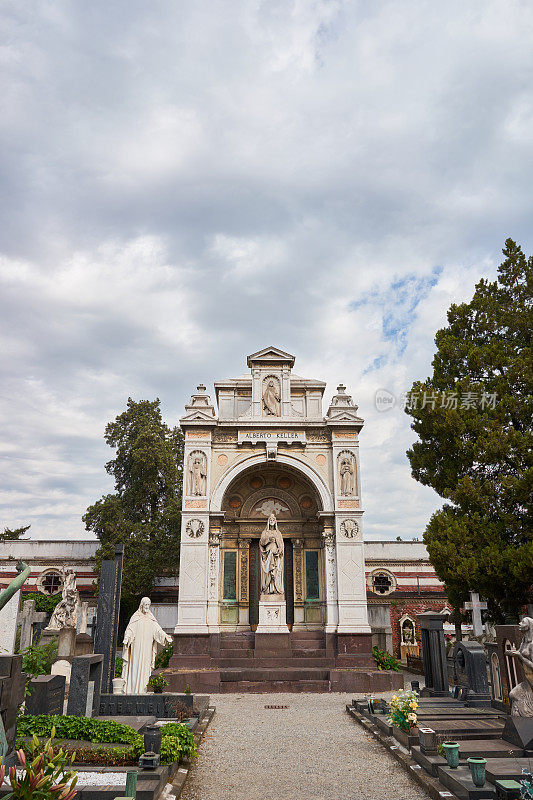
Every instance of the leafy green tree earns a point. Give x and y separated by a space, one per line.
9 535
473 420
144 511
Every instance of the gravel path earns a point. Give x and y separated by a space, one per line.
310 751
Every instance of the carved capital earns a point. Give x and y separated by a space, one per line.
214 537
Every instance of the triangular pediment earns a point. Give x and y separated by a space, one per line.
197 416
270 355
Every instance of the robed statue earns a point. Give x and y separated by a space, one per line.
197 474
271 549
65 613
272 399
141 638
347 475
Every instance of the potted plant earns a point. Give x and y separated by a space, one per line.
477 768
157 683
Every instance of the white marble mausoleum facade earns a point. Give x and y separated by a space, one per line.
269 448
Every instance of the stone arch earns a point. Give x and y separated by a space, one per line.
263 494
294 463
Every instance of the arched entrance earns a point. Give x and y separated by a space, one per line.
246 504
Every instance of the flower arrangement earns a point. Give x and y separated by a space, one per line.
403 709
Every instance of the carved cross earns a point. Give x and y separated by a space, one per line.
476 606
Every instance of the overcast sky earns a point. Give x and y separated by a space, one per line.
188 182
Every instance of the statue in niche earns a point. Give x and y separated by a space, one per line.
521 696
66 612
141 638
271 549
197 474
272 398
346 474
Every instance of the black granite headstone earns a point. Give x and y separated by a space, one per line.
47 695
470 671
434 654
166 705
107 615
85 686
11 695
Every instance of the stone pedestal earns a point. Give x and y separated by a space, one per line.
272 615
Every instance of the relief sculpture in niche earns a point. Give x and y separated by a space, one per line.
272 550
271 397
346 470
197 473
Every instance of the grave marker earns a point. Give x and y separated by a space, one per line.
476 606
107 615
47 695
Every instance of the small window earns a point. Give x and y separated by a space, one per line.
311 575
382 583
51 583
230 575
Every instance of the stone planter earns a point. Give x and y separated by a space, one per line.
451 751
118 685
477 768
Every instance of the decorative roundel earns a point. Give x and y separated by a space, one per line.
306 502
222 459
350 528
320 459
235 502
284 482
195 528
256 483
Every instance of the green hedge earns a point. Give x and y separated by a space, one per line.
177 739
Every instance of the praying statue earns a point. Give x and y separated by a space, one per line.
66 612
347 475
272 399
271 549
141 638
197 474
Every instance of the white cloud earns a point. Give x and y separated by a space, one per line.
188 183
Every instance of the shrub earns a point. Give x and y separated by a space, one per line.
37 659
48 777
98 731
175 730
403 709
43 602
385 660
157 683
162 659
119 663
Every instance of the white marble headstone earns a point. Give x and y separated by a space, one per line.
8 625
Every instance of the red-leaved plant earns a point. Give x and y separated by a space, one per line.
45 777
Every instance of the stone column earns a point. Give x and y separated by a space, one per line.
214 572
299 600
332 613
243 588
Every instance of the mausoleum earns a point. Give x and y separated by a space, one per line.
272 590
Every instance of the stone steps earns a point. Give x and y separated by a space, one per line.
260 662
258 687
270 674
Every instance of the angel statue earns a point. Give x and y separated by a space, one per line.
272 399
271 549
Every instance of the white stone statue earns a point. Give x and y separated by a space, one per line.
271 398
141 638
197 474
521 696
271 549
66 612
346 474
